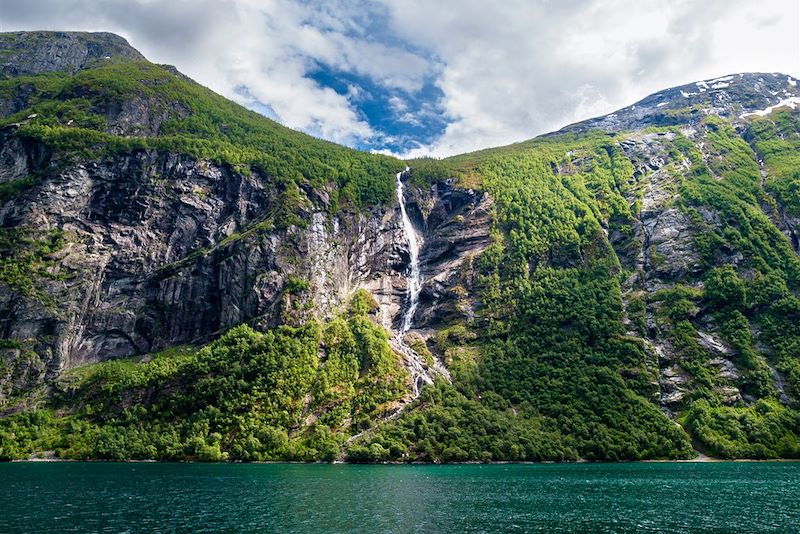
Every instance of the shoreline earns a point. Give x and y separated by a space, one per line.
699 459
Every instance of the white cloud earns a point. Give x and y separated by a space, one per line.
521 68
507 70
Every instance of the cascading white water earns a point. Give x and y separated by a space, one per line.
419 372
414 277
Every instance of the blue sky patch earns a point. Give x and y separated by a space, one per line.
403 120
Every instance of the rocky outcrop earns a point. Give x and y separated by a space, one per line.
784 219
142 116
661 252
457 229
126 222
37 52
669 252
661 248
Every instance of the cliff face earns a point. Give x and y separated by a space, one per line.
164 249
158 247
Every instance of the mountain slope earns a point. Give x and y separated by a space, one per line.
657 263
142 211
182 278
25 53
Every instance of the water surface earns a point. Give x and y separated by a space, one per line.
638 497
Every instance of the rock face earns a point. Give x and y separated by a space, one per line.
457 227
661 249
166 249
38 52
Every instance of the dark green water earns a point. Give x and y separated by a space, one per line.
666 497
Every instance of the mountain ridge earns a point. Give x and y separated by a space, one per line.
731 95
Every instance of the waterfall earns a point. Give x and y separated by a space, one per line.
420 372
414 277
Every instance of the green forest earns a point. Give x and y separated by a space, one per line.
284 394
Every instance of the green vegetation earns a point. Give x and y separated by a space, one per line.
13 187
286 394
753 306
763 430
776 140
548 352
26 260
446 426
547 382
731 186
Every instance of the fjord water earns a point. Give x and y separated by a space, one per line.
638 497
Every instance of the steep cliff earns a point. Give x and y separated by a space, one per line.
184 278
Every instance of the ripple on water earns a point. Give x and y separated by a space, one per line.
619 498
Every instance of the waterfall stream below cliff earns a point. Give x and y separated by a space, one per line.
420 373
414 278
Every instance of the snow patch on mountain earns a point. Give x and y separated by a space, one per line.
791 102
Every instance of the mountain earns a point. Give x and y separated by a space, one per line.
183 278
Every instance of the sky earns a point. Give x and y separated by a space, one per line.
437 77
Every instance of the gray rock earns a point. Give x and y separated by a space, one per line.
38 52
